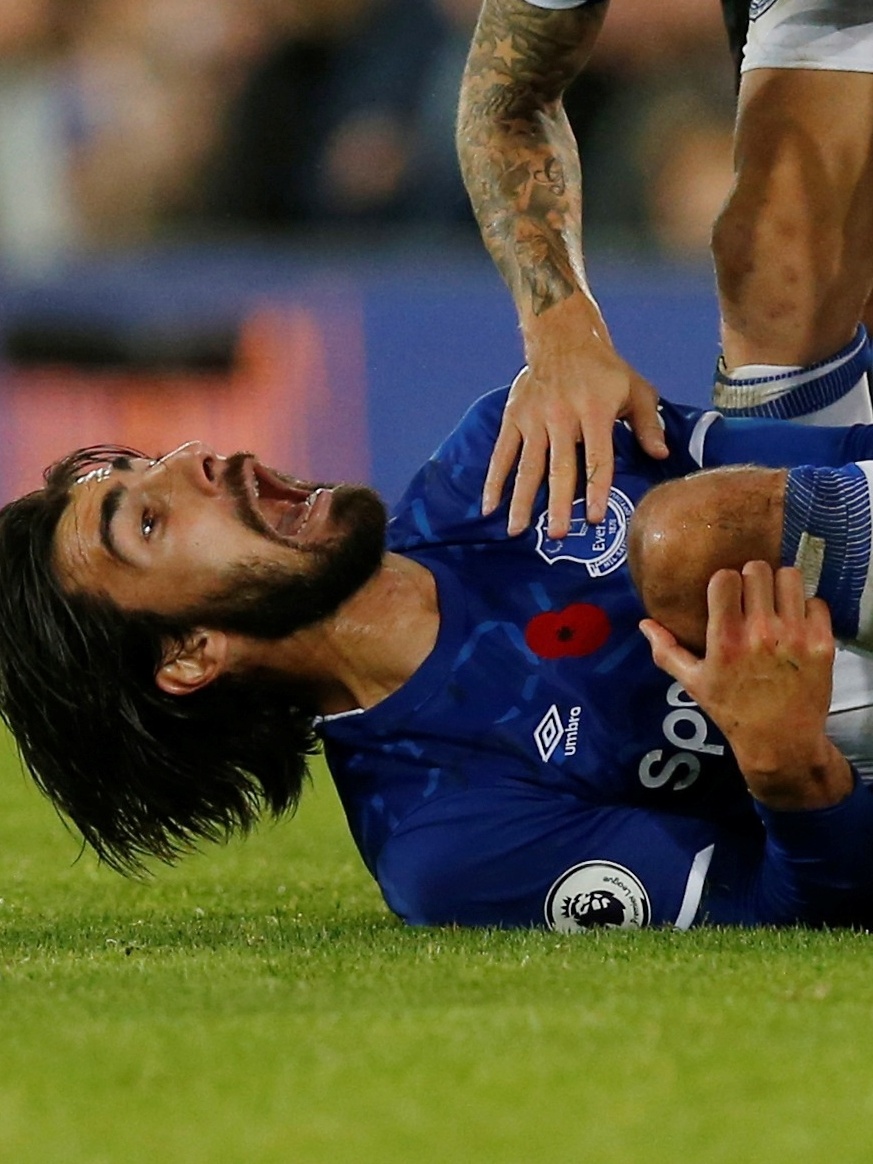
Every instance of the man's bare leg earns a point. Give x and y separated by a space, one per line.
792 246
793 243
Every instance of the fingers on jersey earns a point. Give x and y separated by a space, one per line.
599 467
641 414
539 439
563 479
546 417
593 424
528 478
503 457
645 420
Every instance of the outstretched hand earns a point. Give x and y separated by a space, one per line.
766 681
550 408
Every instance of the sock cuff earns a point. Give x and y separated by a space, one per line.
794 392
826 534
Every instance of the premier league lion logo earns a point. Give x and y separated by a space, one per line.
598 908
597 893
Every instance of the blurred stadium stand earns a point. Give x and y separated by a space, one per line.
328 366
128 125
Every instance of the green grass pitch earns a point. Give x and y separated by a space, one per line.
258 1005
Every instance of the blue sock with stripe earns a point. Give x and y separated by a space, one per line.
827 534
834 391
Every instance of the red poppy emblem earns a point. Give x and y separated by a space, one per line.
580 629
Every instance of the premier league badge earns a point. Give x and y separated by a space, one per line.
597 893
600 548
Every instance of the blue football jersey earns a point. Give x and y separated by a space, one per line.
538 768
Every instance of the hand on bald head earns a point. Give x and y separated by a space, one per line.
686 529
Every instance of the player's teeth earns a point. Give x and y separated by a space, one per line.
307 509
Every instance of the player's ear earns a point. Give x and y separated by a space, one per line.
193 664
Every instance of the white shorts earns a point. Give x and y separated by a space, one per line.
810 34
850 723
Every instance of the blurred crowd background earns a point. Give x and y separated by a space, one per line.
125 121
243 220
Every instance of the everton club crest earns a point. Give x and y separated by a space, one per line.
600 548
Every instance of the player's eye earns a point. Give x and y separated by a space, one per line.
148 521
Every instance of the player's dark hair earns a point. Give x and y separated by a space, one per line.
140 772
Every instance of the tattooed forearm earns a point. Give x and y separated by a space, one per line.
517 151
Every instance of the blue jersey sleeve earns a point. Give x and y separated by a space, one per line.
817 868
513 858
780 444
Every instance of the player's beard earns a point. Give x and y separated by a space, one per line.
269 599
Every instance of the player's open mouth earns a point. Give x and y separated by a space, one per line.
283 506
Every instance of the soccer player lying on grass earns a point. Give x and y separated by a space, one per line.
175 634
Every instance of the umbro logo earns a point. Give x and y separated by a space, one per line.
550 731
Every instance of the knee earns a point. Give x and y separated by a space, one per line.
684 530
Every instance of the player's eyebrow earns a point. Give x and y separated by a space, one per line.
109 506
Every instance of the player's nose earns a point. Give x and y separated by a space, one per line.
197 463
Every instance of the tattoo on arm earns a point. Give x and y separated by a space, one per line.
517 151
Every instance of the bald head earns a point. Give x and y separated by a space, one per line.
686 529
